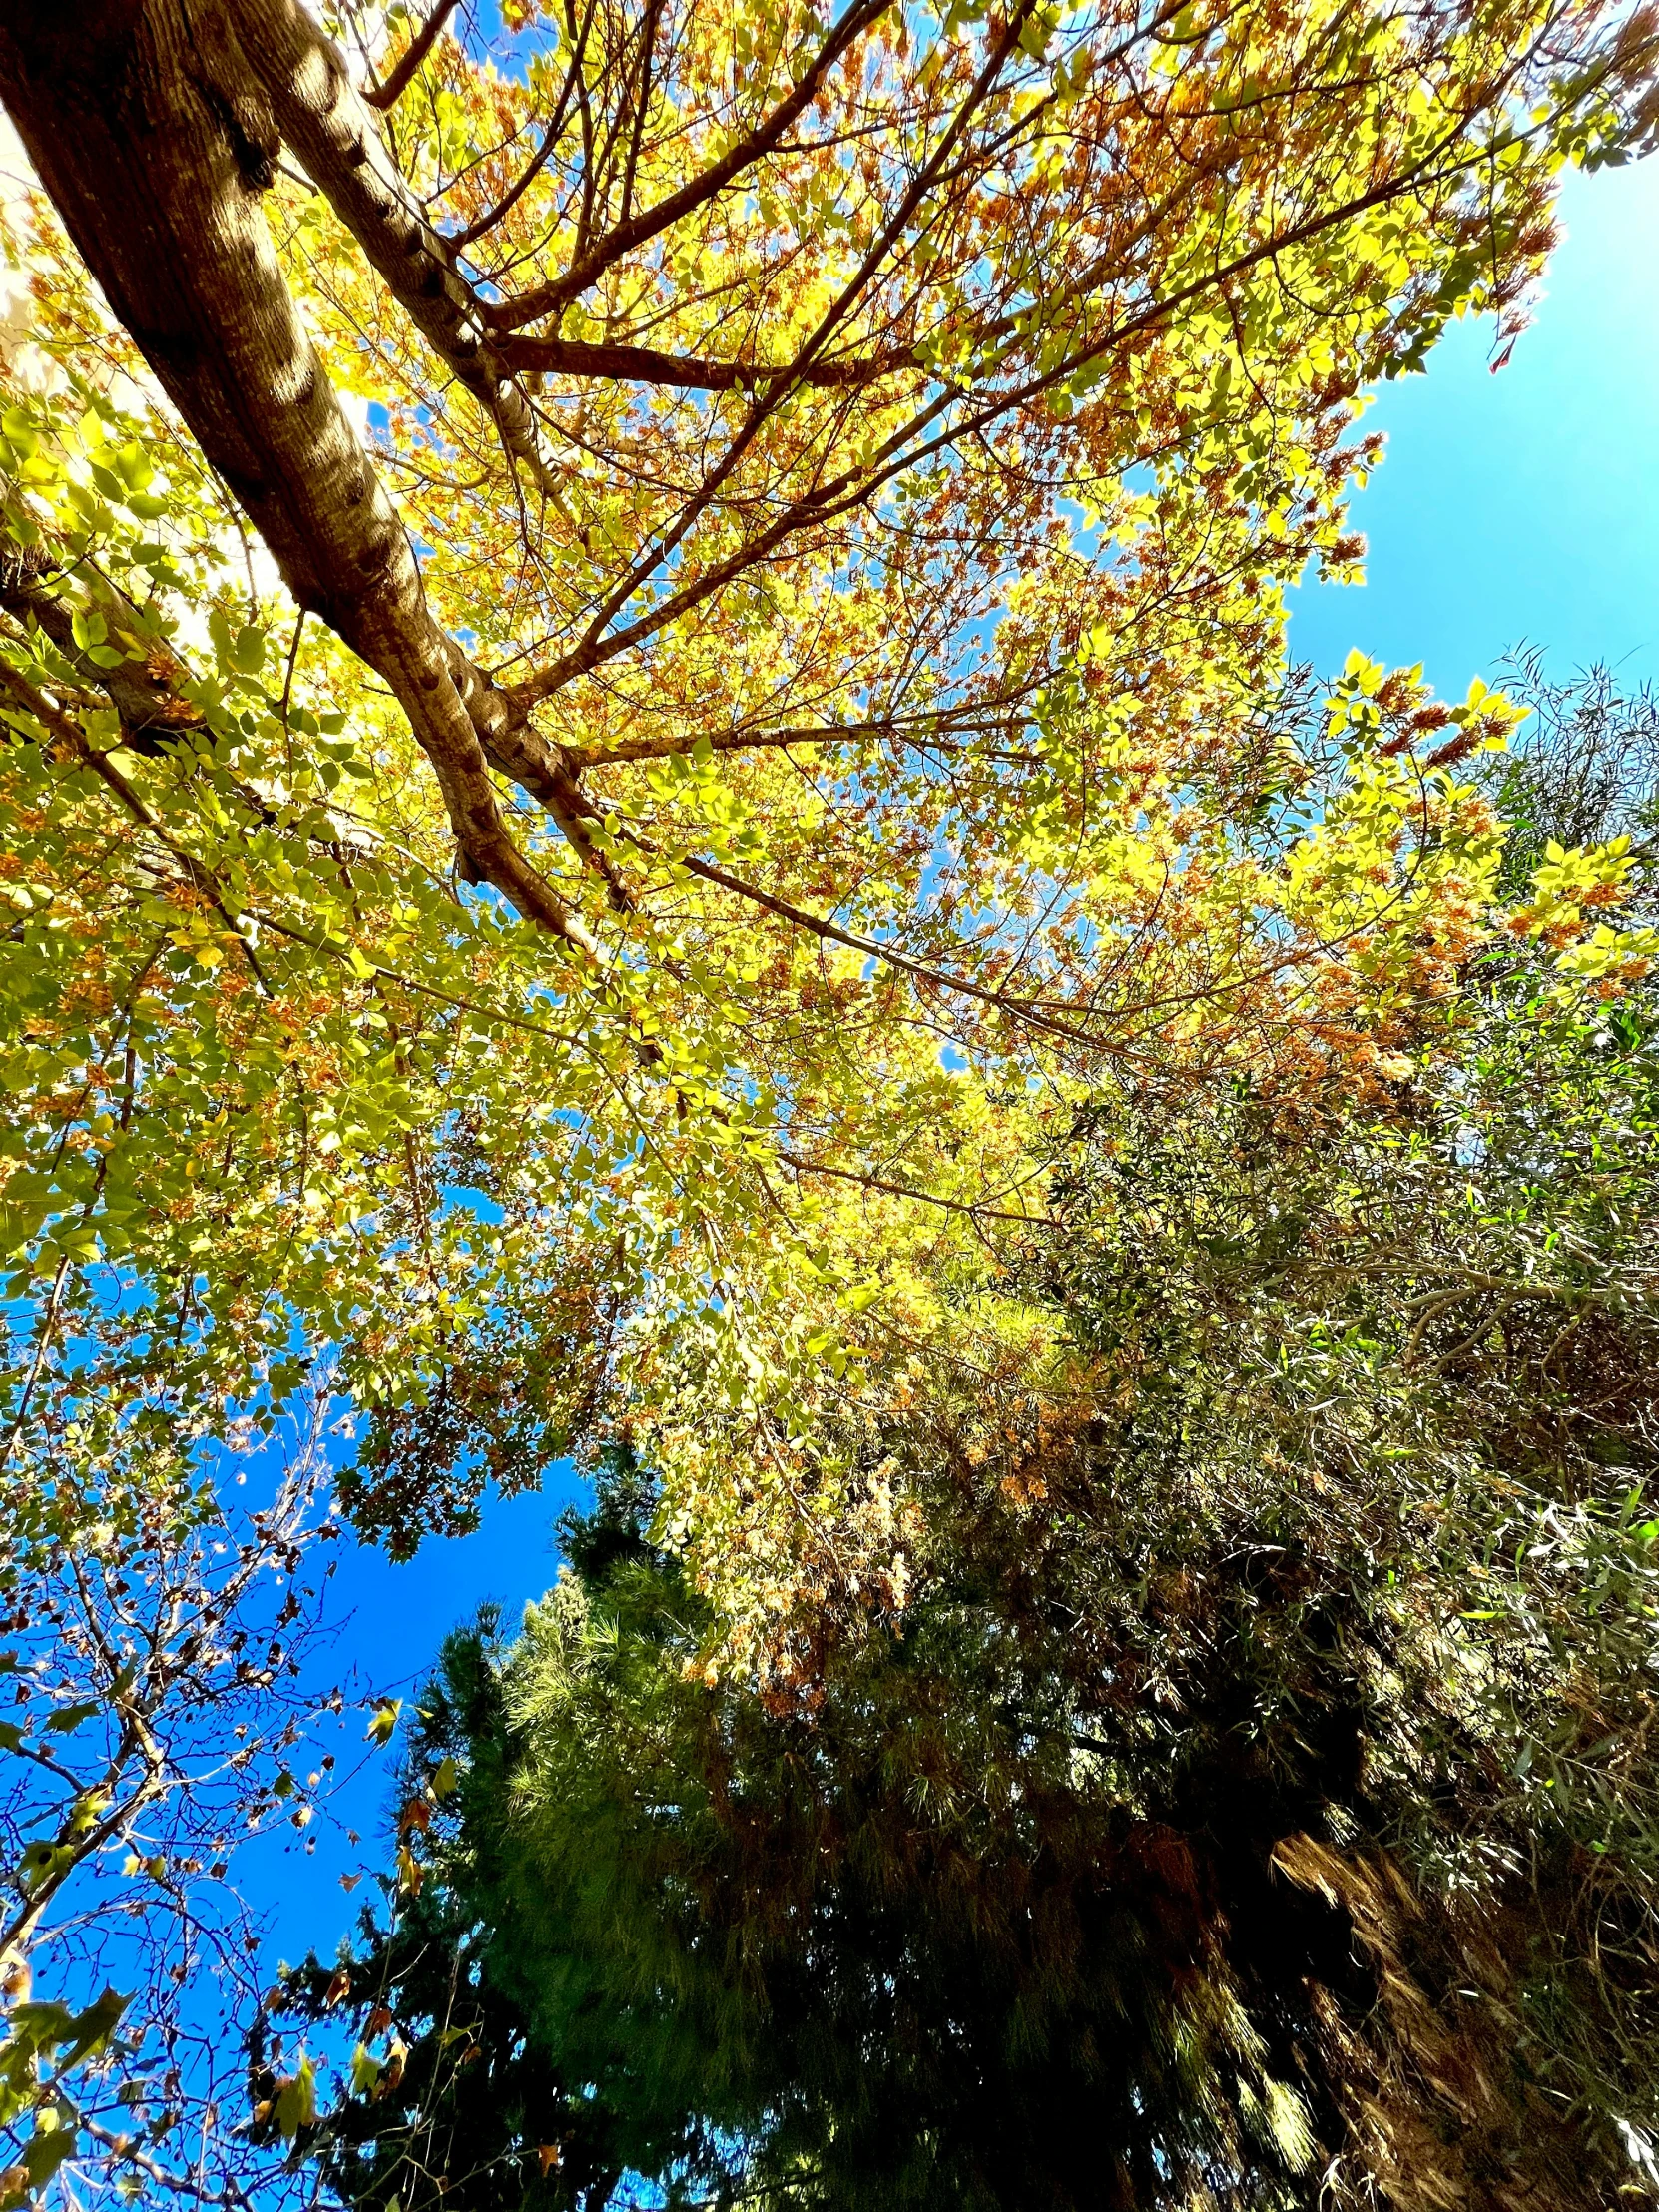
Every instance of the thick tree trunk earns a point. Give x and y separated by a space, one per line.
154 140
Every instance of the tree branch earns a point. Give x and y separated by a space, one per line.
924 1198
148 131
644 364
538 161
388 93
126 2148
873 948
589 267
303 76
147 700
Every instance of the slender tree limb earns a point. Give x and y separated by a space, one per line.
127 2149
303 76
644 364
925 732
388 93
663 546
73 738
923 1198
550 139
887 955
145 693
43 1343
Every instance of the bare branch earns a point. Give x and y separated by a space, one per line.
644 364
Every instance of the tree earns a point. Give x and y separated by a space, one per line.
816 222
1584 768
154 1640
838 711
1251 1794
632 933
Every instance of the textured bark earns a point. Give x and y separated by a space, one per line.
303 76
154 143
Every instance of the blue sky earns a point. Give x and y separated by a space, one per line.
389 1622
1521 506
1517 507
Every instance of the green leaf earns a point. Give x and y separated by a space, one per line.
296 2101
70 1718
384 1723
43 2023
134 467
45 2151
42 1859
92 2029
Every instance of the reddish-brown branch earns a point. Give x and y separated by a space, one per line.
644 364
550 139
388 93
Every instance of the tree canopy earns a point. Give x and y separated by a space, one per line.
654 800
816 491
1253 1804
